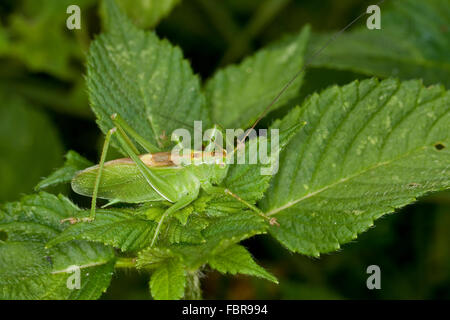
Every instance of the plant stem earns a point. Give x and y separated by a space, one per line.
193 289
266 12
125 263
220 18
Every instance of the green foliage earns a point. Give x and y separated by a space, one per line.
349 154
238 94
121 230
413 43
32 152
247 181
220 233
31 270
37 36
145 13
358 159
236 259
74 162
145 79
168 281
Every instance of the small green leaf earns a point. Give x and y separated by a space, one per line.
236 259
191 232
368 148
147 13
221 232
239 93
153 258
121 230
74 163
144 79
168 281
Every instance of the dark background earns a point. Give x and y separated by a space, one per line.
410 246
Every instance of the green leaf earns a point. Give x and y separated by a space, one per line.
416 33
168 281
147 13
249 181
74 163
30 270
220 233
29 144
153 258
121 230
35 217
368 148
39 38
239 93
144 79
236 259
191 232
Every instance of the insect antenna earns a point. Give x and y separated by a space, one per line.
298 73
307 63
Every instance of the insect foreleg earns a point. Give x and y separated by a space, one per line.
183 202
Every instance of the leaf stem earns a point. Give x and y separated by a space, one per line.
125 263
265 13
193 289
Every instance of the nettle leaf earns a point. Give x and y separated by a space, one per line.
168 281
416 33
236 259
122 230
250 181
35 217
147 13
239 93
144 79
30 270
191 232
74 163
368 148
220 233
153 258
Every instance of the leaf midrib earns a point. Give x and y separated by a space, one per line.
309 195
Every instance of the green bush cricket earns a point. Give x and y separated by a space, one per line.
155 176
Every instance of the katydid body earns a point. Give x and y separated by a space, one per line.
122 180
152 176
